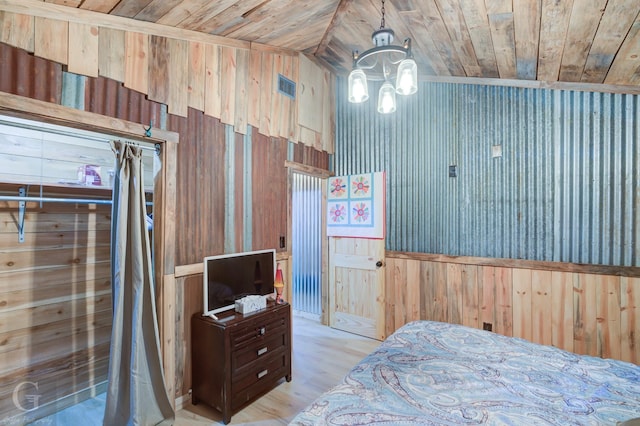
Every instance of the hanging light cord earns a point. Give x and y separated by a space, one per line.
382 21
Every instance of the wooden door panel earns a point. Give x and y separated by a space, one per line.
357 286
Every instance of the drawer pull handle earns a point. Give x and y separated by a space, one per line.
262 374
262 351
261 331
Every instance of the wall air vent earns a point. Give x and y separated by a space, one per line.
286 86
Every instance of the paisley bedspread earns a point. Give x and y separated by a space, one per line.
431 373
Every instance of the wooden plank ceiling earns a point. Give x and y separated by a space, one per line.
585 41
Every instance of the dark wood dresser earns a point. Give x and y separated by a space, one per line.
237 358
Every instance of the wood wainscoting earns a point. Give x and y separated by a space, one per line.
586 309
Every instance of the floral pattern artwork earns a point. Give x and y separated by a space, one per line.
356 205
361 212
338 213
360 186
338 188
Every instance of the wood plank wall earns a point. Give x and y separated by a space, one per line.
200 185
55 298
231 80
210 214
269 193
124 62
586 310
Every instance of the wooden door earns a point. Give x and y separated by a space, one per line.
356 286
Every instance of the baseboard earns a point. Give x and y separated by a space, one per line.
183 400
307 315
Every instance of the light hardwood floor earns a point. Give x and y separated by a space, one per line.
321 357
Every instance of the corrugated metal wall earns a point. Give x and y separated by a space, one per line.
306 247
566 188
26 75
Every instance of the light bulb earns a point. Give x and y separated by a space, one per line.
386 98
358 91
407 80
387 103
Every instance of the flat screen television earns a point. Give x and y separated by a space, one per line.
229 277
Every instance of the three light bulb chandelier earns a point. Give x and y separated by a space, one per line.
384 54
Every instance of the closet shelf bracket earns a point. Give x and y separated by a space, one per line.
22 207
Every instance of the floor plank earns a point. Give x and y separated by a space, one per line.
321 357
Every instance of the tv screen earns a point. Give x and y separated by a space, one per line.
229 277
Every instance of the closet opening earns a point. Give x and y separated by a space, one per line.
55 284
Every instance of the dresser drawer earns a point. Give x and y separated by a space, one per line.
262 348
259 378
257 330
237 358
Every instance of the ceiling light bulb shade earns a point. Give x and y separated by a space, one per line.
358 91
387 98
407 78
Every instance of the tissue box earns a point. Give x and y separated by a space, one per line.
250 304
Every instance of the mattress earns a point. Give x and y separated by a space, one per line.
432 373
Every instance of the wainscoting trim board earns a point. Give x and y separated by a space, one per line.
622 271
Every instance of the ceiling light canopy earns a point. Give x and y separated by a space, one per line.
379 62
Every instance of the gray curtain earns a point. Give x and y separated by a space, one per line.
136 393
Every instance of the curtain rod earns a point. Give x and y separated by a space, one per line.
22 208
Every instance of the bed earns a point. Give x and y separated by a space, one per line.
432 373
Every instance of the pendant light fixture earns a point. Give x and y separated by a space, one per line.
383 57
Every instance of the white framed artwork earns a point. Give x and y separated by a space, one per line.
355 206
